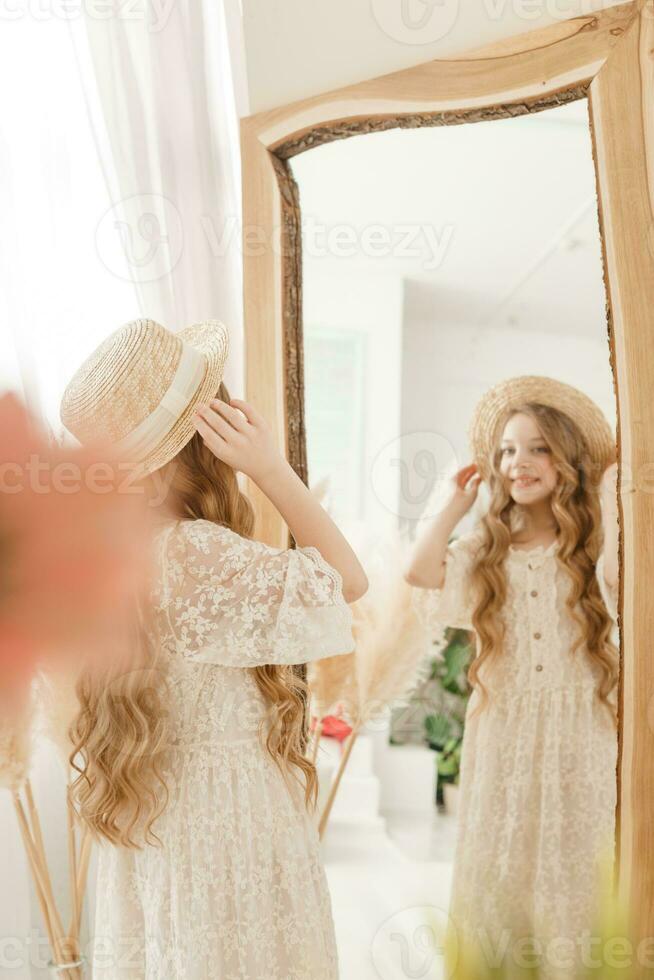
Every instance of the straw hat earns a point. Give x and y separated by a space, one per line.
490 415
139 388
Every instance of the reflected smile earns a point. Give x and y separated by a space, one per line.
526 481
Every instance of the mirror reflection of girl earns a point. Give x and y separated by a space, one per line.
536 582
194 780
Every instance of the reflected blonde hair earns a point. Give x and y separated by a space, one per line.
576 509
122 730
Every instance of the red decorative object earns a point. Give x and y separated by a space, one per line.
334 727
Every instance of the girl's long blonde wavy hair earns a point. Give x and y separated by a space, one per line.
575 503
121 731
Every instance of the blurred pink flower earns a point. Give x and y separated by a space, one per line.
74 549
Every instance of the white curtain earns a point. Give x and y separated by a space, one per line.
161 101
57 300
120 197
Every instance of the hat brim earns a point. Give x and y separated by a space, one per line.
484 432
210 338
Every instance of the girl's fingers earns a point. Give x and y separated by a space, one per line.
215 442
216 422
232 415
464 475
471 481
248 410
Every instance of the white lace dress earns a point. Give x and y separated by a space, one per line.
538 777
238 891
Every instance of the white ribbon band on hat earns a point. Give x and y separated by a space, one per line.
148 434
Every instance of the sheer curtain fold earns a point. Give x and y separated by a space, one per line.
161 104
120 191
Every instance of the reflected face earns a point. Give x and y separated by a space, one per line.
526 461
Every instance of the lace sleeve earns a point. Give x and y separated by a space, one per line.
240 603
609 594
452 605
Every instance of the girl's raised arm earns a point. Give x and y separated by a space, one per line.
426 568
240 436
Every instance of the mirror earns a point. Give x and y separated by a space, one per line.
437 263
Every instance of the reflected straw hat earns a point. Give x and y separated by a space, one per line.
139 388
490 415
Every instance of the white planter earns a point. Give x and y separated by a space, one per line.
408 778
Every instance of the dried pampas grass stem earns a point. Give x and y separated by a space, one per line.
82 870
389 659
327 809
72 856
315 745
35 867
332 683
57 706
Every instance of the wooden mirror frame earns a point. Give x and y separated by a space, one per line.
607 57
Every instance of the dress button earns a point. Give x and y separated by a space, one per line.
537 636
533 593
539 666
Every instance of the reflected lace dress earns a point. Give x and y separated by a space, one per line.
238 891
537 784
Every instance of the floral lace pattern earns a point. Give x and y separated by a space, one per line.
241 603
538 778
238 890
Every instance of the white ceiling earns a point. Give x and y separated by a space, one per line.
513 200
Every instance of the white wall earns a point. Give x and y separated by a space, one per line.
371 305
513 200
299 48
447 368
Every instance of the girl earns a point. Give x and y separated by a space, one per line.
536 581
201 734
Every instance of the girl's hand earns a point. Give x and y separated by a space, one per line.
464 487
239 436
